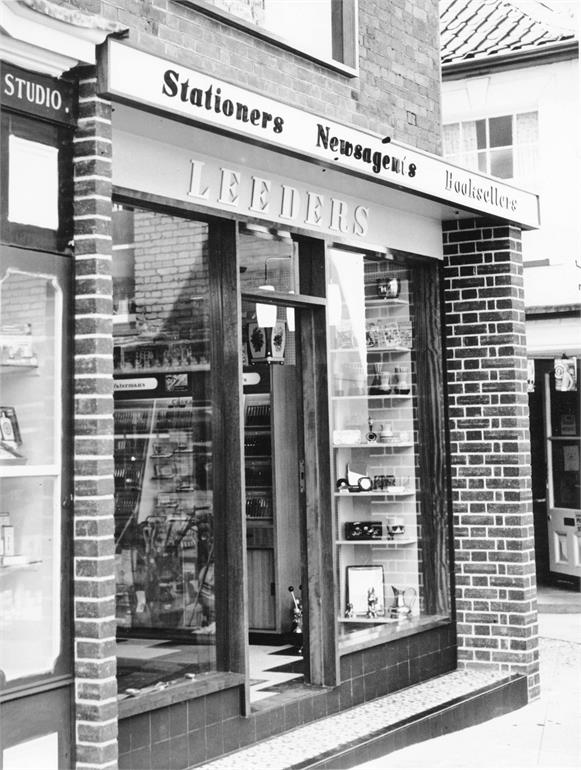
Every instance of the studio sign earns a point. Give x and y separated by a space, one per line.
255 195
37 94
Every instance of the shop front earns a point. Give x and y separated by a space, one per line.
282 495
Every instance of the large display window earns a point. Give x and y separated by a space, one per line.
32 597
383 527
164 522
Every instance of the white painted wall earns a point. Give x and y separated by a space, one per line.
552 90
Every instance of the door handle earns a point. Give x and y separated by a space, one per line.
539 499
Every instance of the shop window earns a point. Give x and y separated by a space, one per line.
36 183
33 595
324 29
389 522
164 522
505 146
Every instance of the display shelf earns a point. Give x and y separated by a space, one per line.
379 543
373 349
18 366
369 621
163 369
366 397
385 302
375 493
27 471
7 569
564 438
374 444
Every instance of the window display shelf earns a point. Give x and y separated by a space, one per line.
373 349
374 445
385 302
376 493
8 569
365 397
371 621
564 438
379 543
163 369
21 471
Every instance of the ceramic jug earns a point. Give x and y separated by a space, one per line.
403 601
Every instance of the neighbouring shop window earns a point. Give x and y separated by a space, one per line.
505 146
384 528
36 183
324 28
164 524
31 582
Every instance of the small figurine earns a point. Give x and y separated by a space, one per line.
371 603
297 620
349 613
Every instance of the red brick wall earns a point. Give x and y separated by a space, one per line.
399 62
94 574
490 454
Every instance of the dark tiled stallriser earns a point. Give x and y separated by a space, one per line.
189 733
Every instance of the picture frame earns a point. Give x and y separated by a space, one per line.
10 438
360 581
9 430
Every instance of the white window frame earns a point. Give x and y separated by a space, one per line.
462 157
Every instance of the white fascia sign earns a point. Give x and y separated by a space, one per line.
196 97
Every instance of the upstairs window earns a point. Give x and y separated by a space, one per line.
324 29
505 147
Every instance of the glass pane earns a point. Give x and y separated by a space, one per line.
374 437
527 128
561 547
526 163
451 137
30 576
469 135
30 434
30 307
501 163
163 449
566 477
481 141
482 162
272 415
500 131
267 259
304 23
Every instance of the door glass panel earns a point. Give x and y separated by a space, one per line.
164 534
561 547
272 439
30 474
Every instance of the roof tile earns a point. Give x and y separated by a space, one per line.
472 29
